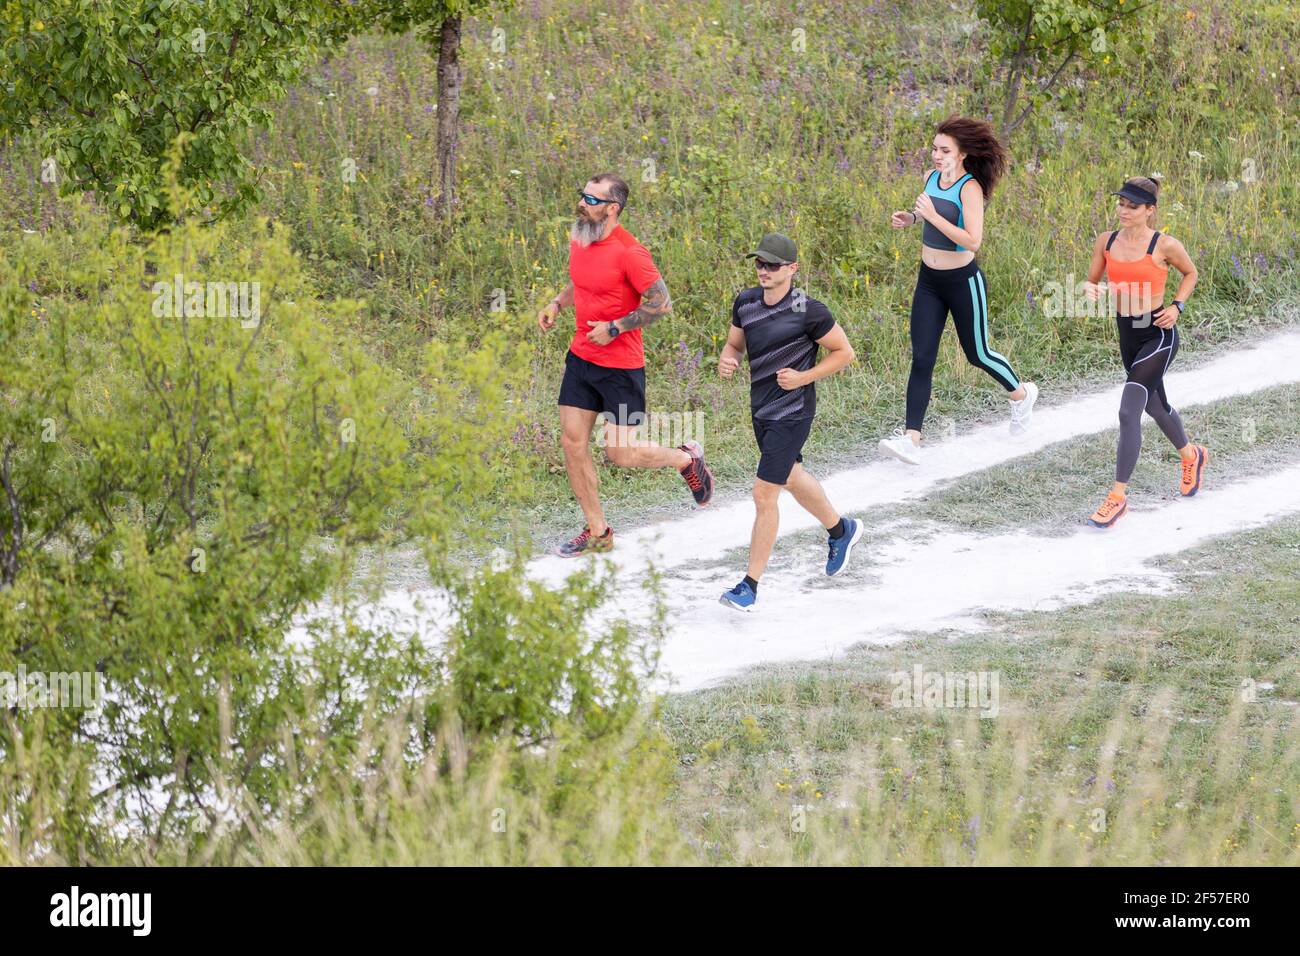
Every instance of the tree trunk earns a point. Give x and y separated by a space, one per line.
1045 88
449 80
1015 73
1010 97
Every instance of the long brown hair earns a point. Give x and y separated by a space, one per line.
986 157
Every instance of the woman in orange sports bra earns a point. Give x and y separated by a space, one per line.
1148 336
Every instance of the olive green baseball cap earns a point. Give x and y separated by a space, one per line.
775 247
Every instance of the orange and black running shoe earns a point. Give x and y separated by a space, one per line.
1112 509
1194 471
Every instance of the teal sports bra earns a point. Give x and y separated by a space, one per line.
947 203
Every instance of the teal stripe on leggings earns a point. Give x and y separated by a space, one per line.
987 355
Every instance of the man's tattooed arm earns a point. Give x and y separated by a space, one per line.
655 304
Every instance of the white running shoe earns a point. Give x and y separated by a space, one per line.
1023 410
900 446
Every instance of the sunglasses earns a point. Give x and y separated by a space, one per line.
591 200
768 266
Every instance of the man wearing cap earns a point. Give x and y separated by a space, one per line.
616 291
780 328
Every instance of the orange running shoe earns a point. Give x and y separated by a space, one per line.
1111 510
1194 471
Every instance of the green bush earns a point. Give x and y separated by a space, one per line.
182 489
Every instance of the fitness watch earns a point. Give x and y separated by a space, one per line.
613 331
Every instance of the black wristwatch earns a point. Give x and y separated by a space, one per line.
613 331
1179 305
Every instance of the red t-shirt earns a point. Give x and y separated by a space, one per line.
608 278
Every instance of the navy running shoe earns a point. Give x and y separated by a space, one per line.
842 547
741 597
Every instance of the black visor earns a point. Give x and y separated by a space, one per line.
1136 194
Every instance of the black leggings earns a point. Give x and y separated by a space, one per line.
1146 360
961 292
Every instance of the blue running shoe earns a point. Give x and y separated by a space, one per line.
842 547
741 597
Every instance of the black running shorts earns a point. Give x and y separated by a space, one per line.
780 445
618 393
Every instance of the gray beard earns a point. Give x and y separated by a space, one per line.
584 231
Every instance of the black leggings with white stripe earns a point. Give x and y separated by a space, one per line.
961 292
1146 357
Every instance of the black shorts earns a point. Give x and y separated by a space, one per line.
618 393
780 445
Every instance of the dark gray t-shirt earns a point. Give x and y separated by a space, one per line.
780 336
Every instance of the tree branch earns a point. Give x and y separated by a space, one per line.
1024 114
9 559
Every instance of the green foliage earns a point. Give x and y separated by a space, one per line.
724 131
425 15
184 477
1040 41
1044 25
515 650
106 88
363 744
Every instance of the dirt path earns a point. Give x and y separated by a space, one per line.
929 577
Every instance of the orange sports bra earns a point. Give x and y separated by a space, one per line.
1129 277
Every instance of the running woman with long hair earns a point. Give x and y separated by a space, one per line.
968 162
1136 259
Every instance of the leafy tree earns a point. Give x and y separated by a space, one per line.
106 87
440 23
1039 40
182 478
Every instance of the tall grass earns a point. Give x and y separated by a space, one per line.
1135 712
725 132
1141 730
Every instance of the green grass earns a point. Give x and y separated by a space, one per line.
747 136
1139 693
843 130
1133 706
1055 491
